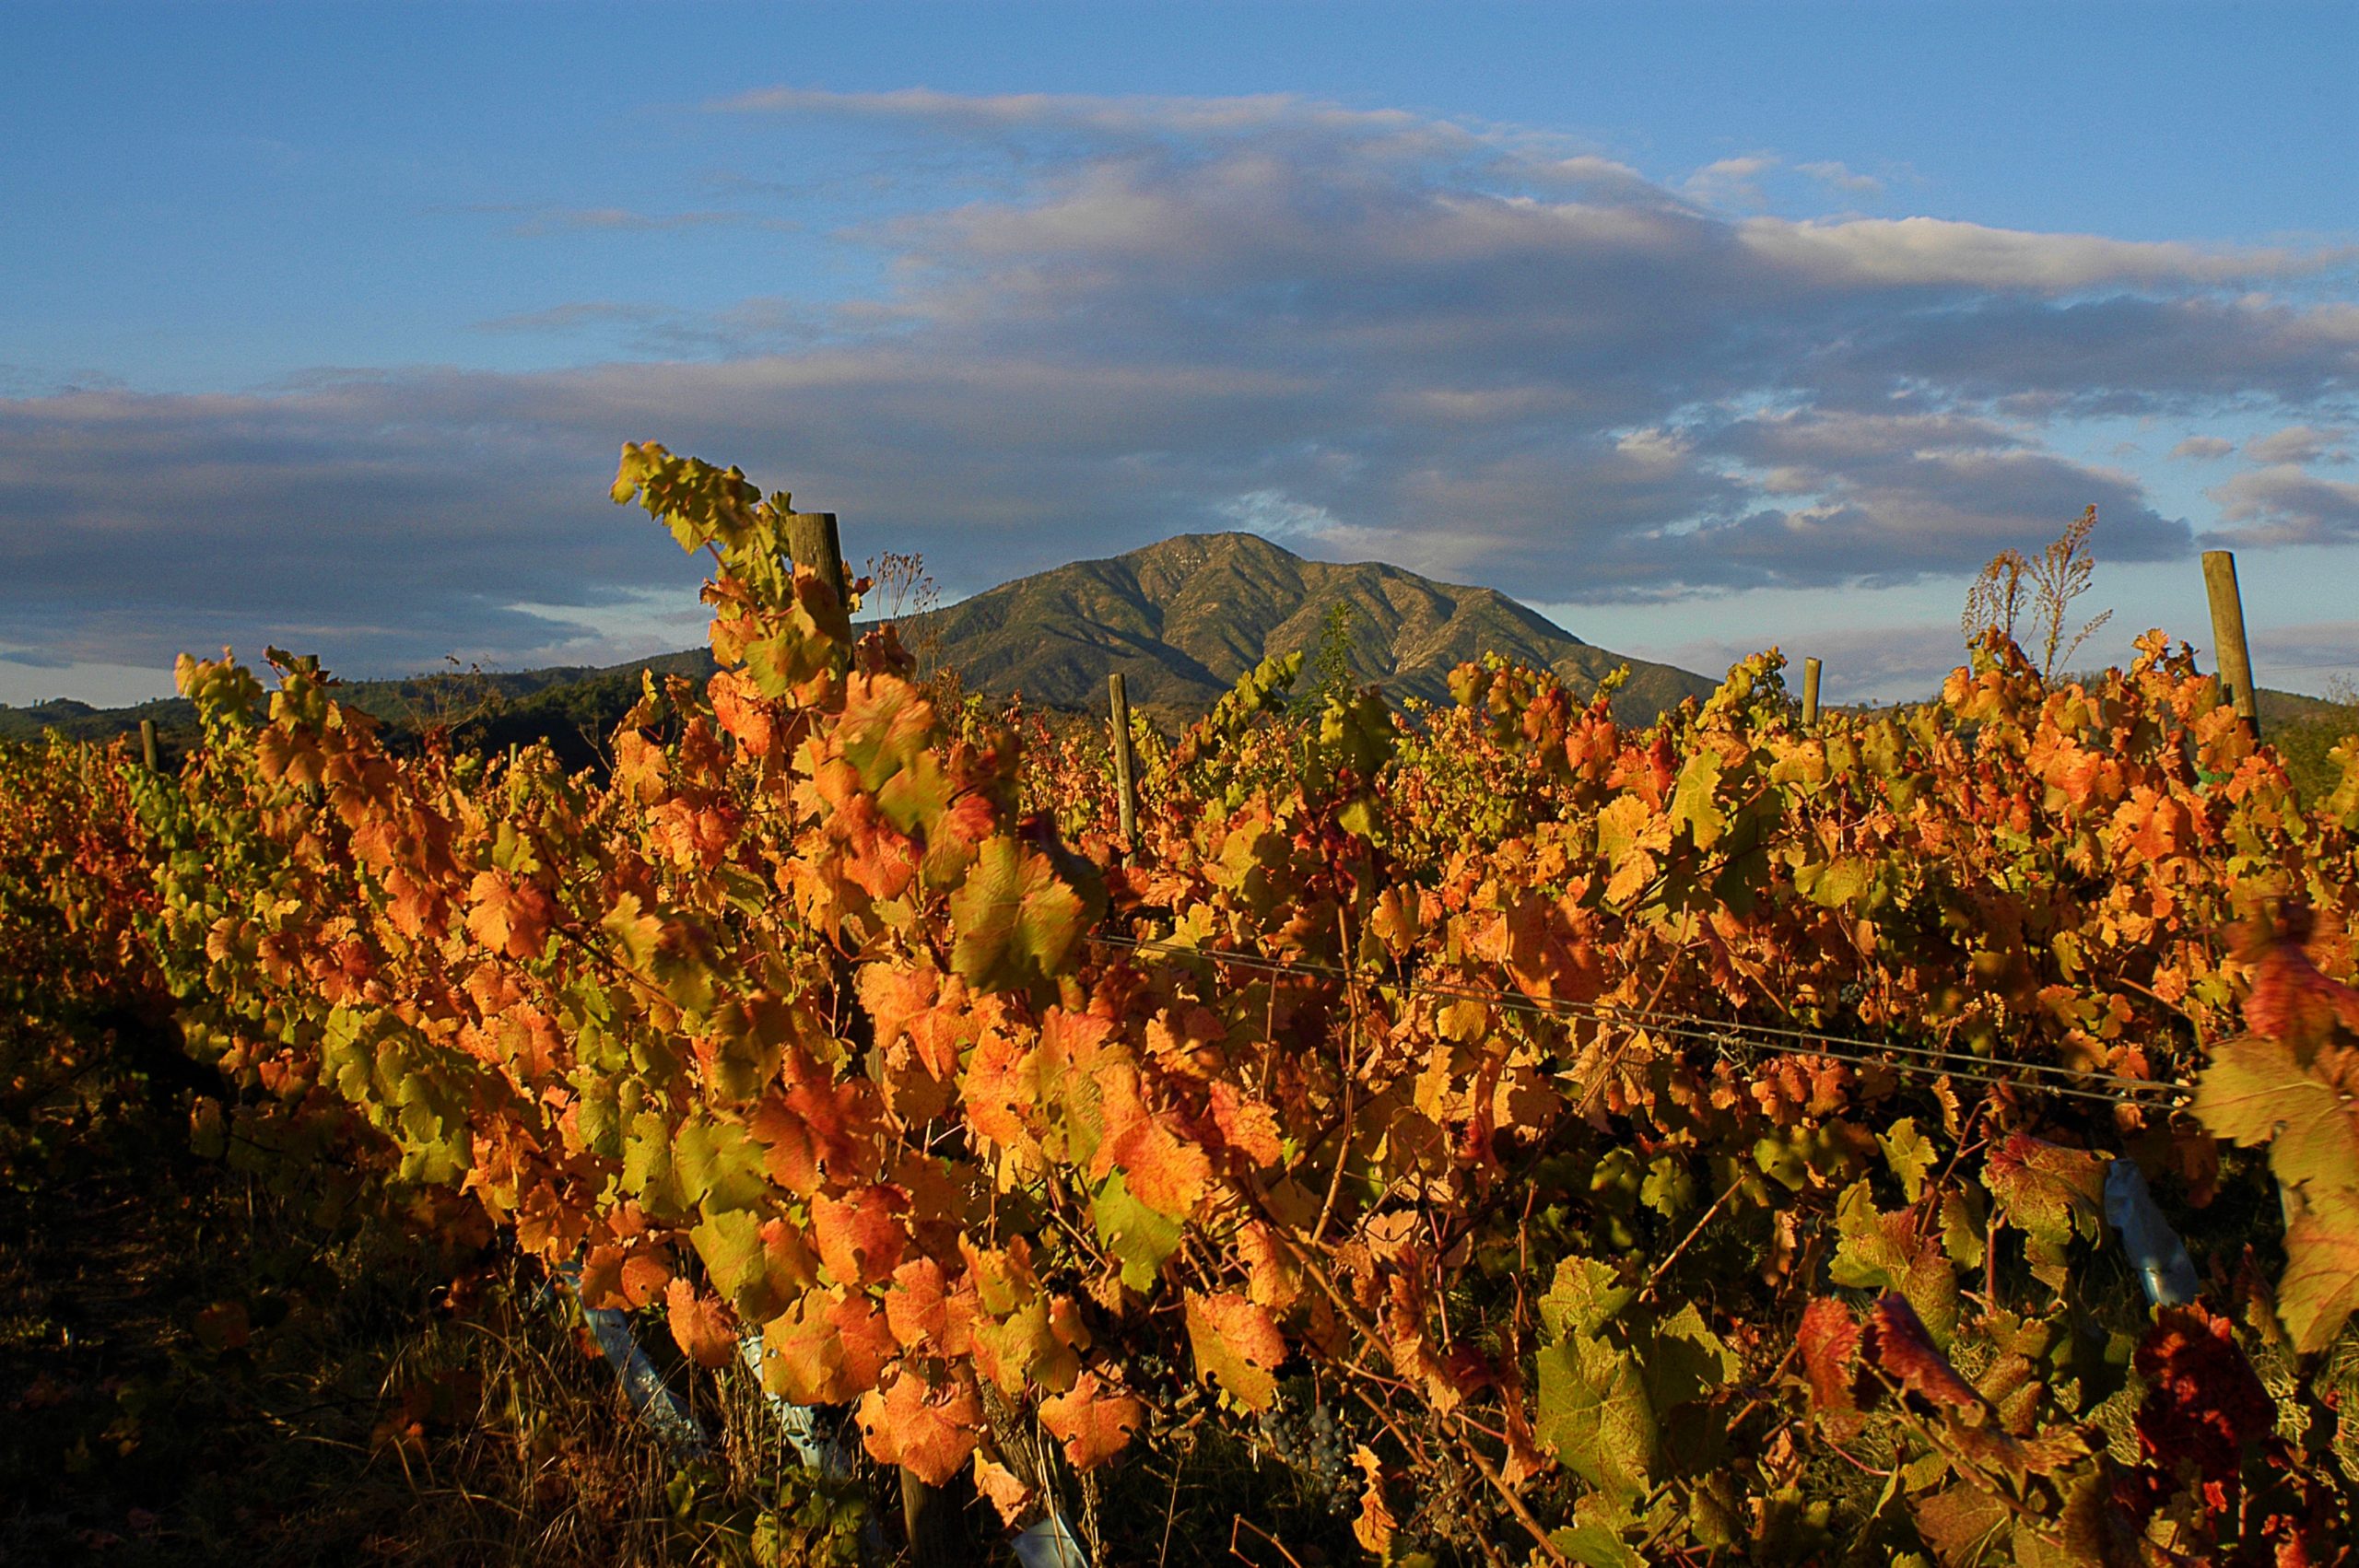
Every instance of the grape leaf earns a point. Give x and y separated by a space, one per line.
1139 1235
1236 1345
2255 1093
1016 923
927 1428
2320 1286
1593 1412
1095 1420
701 1325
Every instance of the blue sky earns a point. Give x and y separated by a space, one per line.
1700 327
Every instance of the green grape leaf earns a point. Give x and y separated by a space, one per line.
1137 1234
1909 1154
1017 921
1594 1413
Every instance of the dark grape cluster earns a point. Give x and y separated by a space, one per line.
1308 1440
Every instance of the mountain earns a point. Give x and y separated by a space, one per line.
1183 618
1180 619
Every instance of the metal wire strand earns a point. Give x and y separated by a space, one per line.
1768 1039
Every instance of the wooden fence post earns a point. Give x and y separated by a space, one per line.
1126 784
2228 636
148 751
1810 693
812 541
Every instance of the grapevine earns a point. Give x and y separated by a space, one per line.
1643 1145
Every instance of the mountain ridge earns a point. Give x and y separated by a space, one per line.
1180 619
1183 617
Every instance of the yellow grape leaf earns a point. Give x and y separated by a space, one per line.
2255 1091
1906 1150
1237 1345
1692 806
2320 1286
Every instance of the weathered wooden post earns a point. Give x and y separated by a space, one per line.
1126 784
1810 693
2228 636
148 750
812 539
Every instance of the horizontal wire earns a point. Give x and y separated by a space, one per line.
1873 1053
1620 1012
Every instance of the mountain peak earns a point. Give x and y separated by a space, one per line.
1183 617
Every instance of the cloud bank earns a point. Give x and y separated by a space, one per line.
1477 351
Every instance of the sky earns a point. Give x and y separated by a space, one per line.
1699 328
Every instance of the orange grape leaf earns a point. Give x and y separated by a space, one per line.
1374 1525
701 1324
925 1314
1237 1345
860 1236
1095 1420
1829 1341
928 1429
804 1356
509 916
2291 1001
999 1483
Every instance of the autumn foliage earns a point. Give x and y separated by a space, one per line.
1653 1145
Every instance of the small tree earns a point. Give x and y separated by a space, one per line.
2045 586
1330 662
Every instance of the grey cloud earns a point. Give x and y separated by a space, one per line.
2309 652
2300 444
2205 448
1479 352
2284 505
34 659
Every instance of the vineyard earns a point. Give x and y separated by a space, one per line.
1478 1133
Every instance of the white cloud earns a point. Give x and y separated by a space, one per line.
1843 179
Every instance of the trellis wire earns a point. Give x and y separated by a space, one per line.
1767 1039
